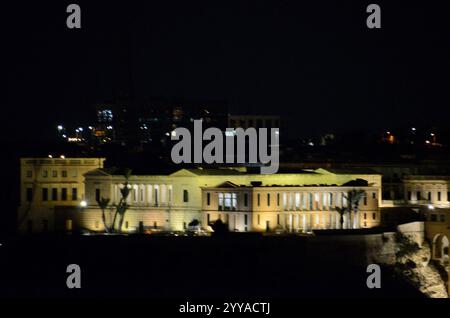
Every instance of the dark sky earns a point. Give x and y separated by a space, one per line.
315 63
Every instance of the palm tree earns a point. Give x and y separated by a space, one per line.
121 207
103 204
353 198
341 212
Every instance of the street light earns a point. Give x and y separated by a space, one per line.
83 204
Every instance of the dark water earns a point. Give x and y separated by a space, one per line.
188 267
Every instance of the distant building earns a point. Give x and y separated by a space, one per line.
255 121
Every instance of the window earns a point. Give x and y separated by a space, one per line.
259 219
74 173
156 197
29 174
208 219
68 225
439 196
54 194
419 197
74 194
278 219
374 216
409 195
442 217
45 174
278 199
268 199
258 199
155 225
433 217
97 195
54 174
141 195
245 219
365 200
316 200
208 199
245 199
429 196
229 201
29 194
374 195
185 196
44 194
64 173
64 194
365 216
297 201
126 224
220 201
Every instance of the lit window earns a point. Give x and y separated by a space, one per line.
220 201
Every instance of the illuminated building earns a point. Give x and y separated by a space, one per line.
172 201
50 182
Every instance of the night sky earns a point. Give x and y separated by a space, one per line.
316 64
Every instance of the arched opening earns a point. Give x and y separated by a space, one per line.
441 249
